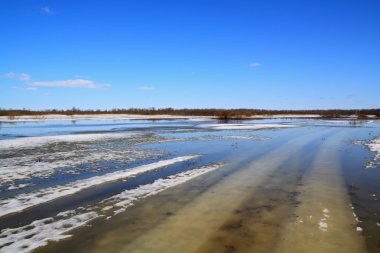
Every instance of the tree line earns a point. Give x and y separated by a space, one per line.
214 112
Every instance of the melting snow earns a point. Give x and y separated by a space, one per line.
38 233
374 146
26 200
29 237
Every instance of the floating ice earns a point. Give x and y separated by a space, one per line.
27 238
323 225
43 163
40 232
31 142
374 146
127 198
26 200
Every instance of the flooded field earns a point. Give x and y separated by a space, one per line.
190 185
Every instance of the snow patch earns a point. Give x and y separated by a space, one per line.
31 142
43 163
27 238
125 199
40 232
323 225
374 146
26 200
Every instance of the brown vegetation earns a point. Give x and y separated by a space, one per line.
223 114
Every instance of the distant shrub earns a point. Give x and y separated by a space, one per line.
361 116
331 116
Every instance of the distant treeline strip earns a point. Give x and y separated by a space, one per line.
220 113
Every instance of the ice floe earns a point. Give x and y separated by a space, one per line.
25 200
374 146
42 163
323 224
323 221
31 142
27 238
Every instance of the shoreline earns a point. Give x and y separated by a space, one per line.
112 116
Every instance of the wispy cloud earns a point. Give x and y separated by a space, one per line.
9 75
255 64
31 88
74 83
145 88
12 75
46 10
24 77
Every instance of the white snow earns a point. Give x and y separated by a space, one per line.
127 198
97 117
374 146
18 186
132 117
27 238
43 163
355 216
31 142
26 200
244 126
323 225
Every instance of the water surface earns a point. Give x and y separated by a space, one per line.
301 189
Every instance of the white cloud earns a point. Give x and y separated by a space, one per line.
24 77
145 88
31 88
74 83
46 10
12 75
255 64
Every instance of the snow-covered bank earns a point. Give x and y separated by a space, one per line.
243 126
36 118
15 119
26 200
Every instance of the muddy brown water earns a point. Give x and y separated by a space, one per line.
292 198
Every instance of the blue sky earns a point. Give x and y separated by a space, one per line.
190 54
